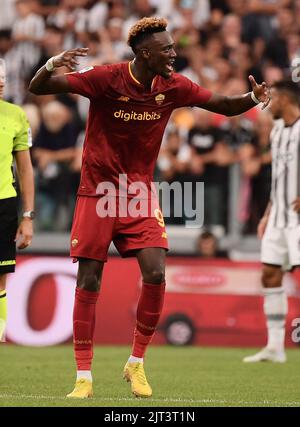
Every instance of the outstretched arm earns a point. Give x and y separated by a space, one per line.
234 105
43 83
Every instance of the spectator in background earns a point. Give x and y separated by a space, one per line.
73 19
260 17
277 47
27 33
46 7
296 13
231 32
293 47
51 44
97 16
209 160
272 74
189 13
194 69
207 246
7 15
14 85
137 10
117 9
119 47
54 151
173 165
33 114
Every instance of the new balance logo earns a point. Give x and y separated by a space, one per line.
123 98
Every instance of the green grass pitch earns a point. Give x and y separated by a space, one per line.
180 376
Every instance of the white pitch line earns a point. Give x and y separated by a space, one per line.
127 399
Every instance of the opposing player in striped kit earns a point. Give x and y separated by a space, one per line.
279 228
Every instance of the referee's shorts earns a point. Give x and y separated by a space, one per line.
8 229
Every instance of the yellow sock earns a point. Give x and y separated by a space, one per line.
3 313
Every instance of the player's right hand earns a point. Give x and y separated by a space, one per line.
68 58
262 227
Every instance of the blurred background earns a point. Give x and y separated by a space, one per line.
218 43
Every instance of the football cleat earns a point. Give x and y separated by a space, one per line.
135 374
83 389
266 355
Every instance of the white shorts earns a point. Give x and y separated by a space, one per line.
281 246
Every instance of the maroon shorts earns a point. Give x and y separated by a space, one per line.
92 234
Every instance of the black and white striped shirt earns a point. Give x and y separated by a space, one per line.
285 146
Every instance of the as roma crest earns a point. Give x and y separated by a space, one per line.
159 99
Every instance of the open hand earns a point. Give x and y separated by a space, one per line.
68 58
262 92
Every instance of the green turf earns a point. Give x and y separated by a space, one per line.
189 376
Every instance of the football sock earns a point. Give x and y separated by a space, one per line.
133 359
275 309
84 374
83 327
148 312
3 313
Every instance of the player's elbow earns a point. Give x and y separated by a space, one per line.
33 88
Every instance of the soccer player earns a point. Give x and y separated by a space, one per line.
15 137
279 228
130 104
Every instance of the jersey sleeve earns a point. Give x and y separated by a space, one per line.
190 93
23 138
90 82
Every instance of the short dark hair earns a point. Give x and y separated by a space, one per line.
5 34
144 28
54 28
291 88
207 235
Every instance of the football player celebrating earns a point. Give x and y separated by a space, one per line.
130 105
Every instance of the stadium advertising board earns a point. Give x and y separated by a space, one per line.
216 302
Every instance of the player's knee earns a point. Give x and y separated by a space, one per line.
271 277
155 276
89 282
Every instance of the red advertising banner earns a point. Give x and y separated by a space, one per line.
216 302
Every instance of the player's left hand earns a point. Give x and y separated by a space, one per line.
262 92
296 205
24 233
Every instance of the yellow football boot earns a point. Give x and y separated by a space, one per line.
134 372
83 389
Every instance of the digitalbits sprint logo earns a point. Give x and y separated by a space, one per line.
296 331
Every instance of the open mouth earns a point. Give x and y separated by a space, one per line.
169 66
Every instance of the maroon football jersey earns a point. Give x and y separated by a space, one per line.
126 122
